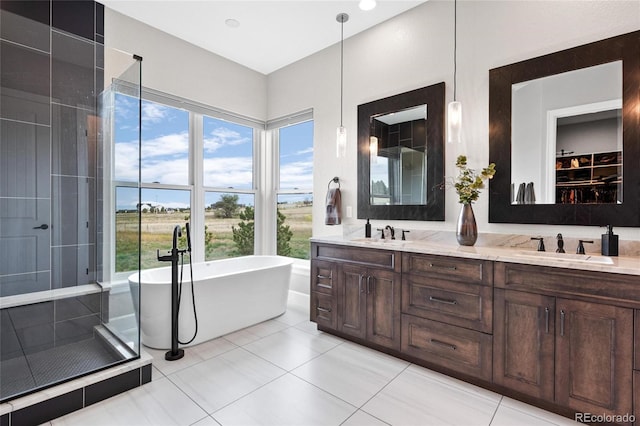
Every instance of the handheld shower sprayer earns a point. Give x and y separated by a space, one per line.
188 228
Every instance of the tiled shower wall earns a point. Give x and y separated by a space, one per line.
51 63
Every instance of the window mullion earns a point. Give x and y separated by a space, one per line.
196 137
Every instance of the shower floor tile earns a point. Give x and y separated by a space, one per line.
16 376
24 373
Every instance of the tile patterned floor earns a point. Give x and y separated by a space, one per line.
285 372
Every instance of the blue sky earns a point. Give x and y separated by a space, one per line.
228 154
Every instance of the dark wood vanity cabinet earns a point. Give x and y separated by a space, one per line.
524 342
323 307
574 353
365 292
563 337
447 312
369 304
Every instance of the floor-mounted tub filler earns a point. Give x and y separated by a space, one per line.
230 294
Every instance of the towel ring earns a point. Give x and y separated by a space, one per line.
335 180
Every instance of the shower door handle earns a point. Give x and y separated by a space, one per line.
43 226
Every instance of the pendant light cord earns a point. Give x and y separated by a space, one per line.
455 47
341 66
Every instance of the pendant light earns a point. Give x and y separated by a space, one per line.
373 149
454 109
341 135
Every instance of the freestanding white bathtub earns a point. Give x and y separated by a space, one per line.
230 294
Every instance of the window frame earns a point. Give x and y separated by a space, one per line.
195 184
273 128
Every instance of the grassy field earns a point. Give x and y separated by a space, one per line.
157 232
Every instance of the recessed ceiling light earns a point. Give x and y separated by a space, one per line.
367 4
232 23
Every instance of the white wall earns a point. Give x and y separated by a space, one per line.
176 67
412 50
416 49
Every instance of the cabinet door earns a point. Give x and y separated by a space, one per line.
594 357
352 300
524 342
383 307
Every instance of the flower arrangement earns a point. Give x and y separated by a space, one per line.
468 182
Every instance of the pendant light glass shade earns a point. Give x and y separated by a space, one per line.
341 135
454 122
341 142
454 109
373 149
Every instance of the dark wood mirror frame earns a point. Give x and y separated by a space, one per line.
433 97
625 47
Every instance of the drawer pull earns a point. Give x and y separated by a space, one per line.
433 265
324 277
445 301
546 319
441 343
321 309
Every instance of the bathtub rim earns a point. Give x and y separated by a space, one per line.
286 261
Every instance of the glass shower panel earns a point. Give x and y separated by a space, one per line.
121 241
58 304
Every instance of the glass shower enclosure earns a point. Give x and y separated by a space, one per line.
63 313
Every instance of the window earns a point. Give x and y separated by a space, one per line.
197 166
164 169
229 188
229 224
228 154
295 189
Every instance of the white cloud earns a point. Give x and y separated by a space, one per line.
222 136
297 175
236 172
153 113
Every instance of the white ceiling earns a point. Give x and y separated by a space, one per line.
271 35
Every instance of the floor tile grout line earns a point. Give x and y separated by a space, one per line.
452 382
247 394
201 358
382 388
188 396
496 410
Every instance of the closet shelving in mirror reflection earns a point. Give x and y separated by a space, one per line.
589 178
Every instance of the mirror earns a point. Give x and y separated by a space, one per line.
563 131
397 148
569 132
401 156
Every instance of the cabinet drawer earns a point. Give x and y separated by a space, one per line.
323 276
455 348
323 310
615 289
362 256
451 268
465 305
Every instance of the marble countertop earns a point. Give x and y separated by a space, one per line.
445 244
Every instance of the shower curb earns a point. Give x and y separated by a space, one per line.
68 397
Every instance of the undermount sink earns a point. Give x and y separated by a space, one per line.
381 242
566 257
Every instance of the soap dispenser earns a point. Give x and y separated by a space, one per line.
609 242
367 230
